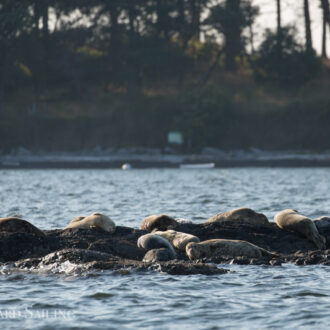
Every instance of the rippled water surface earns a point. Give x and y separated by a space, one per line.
253 297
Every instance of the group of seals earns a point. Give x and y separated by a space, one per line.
163 240
288 219
192 245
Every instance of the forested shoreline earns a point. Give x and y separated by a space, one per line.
115 73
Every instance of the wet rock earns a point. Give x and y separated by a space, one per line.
322 223
121 248
299 261
158 255
323 227
184 268
275 262
122 272
17 225
76 256
122 243
27 263
241 261
15 246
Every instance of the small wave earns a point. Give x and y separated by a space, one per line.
49 306
310 293
99 296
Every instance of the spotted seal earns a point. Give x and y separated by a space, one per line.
18 225
153 241
225 247
241 215
177 239
157 221
290 219
95 220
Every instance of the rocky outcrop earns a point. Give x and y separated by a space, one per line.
98 249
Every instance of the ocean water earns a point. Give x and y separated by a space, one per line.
249 297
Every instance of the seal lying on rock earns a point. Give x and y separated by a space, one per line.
290 219
156 255
17 225
159 222
153 241
177 239
96 220
241 215
225 247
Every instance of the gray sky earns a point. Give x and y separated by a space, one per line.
292 13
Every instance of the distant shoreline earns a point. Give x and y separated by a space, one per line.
140 164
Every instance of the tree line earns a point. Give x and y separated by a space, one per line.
125 44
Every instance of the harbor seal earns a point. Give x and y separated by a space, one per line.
290 219
153 241
157 221
177 239
17 225
225 247
241 215
95 220
155 255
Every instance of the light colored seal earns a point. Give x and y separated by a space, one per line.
157 221
177 239
153 241
241 215
290 219
225 247
17 225
95 220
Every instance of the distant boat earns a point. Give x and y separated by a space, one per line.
197 166
126 166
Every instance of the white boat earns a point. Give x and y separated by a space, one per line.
126 166
197 166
